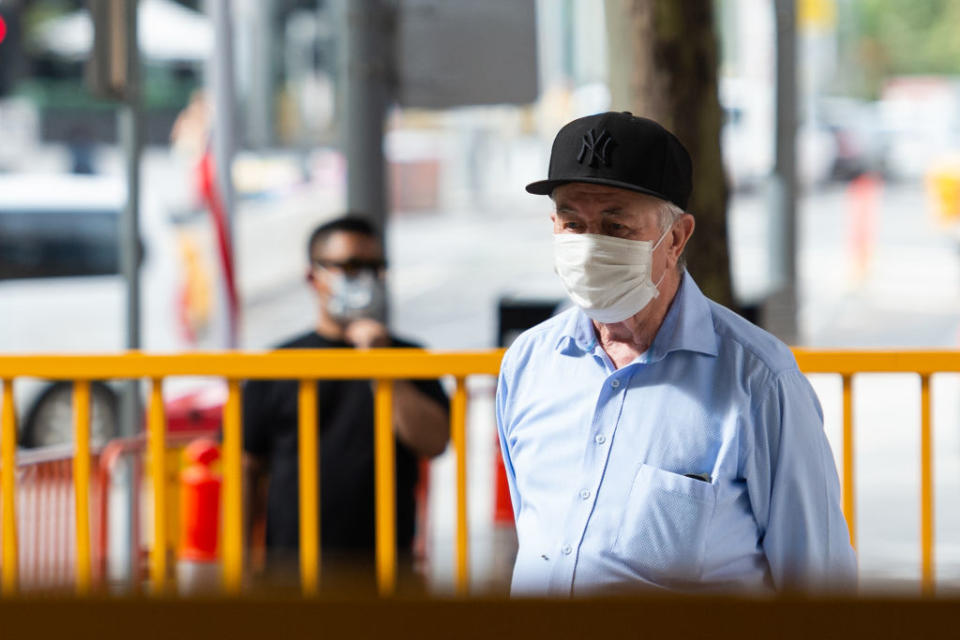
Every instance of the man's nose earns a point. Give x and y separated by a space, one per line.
595 227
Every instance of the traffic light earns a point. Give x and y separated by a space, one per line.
11 54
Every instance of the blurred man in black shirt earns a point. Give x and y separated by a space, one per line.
347 274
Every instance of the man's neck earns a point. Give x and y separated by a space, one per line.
330 329
624 341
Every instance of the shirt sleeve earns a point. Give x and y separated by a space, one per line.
795 492
502 429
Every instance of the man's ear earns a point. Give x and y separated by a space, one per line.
680 235
553 222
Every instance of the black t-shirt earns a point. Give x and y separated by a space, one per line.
346 457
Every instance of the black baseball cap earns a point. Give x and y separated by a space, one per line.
619 149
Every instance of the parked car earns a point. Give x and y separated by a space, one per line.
61 291
861 143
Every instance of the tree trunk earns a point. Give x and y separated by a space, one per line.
663 58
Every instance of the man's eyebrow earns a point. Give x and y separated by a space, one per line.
612 211
564 208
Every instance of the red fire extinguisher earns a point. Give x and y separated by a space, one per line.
199 518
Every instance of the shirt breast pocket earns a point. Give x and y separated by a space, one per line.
664 528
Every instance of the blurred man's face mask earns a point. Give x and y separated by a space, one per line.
361 295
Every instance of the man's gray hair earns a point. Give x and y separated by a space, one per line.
669 213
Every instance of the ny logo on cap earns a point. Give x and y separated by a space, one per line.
595 148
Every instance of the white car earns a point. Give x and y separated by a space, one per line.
61 292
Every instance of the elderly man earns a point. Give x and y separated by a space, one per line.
651 436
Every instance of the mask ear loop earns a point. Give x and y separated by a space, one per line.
665 233
662 275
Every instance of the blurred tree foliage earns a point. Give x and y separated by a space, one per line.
901 37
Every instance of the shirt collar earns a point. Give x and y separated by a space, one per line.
576 335
688 326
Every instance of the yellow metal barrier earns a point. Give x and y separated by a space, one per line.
382 366
156 425
309 494
385 478
233 491
8 445
922 363
81 472
458 435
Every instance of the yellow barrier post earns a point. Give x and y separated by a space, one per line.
849 490
156 428
8 450
309 493
386 490
81 482
926 488
458 434
233 490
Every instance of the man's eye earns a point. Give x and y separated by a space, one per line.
570 225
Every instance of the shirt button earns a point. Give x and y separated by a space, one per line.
600 439
584 494
567 549
615 383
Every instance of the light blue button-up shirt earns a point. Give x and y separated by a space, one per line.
600 460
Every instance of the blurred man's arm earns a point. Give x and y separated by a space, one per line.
255 478
257 444
420 421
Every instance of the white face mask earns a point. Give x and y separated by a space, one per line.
362 296
609 278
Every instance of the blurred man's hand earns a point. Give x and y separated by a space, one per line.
365 333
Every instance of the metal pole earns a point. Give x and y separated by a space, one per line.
260 111
780 310
130 124
365 67
224 124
